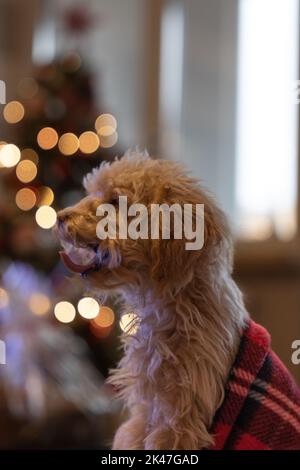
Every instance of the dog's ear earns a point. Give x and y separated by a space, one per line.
172 261
168 259
218 244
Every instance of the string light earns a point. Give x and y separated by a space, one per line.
88 308
45 196
47 138
89 142
9 155
30 154
46 217
129 323
2 143
13 112
105 318
106 131
102 325
25 199
26 171
105 120
68 144
64 312
109 140
39 303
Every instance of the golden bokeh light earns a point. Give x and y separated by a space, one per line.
30 154
105 318
13 112
25 199
106 131
64 312
2 143
100 332
27 87
105 120
39 303
129 323
45 196
68 144
26 171
47 138
9 155
88 308
4 298
109 140
46 217
89 142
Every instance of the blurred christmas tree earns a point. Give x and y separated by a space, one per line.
54 126
59 135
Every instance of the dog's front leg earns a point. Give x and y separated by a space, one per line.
131 434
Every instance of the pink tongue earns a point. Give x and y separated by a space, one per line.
76 268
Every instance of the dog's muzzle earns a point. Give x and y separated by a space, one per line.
83 260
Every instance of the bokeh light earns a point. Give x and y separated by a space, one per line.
106 131
39 303
13 112
105 318
25 199
9 155
4 298
105 120
100 332
88 307
109 140
129 323
89 142
27 87
45 196
26 171
30 154
68 143
64 312
45 217
47 138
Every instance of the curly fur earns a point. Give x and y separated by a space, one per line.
190 311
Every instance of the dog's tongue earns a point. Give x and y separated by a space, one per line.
78 259
76 268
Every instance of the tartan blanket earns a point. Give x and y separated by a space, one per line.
261 408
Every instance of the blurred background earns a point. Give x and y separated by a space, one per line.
213 83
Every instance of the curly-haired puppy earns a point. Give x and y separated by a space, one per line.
197 373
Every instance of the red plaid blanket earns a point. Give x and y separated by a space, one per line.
261 409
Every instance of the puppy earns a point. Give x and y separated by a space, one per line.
197 373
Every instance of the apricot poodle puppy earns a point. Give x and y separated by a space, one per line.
188 371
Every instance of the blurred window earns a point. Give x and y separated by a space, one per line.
171 76
267 119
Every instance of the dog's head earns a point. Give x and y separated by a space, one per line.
133 261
